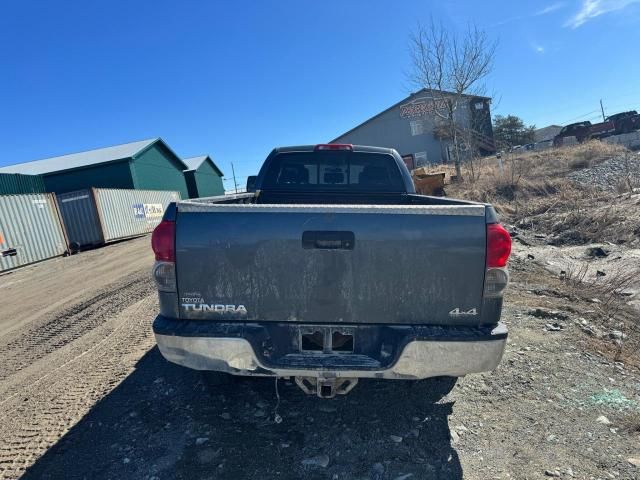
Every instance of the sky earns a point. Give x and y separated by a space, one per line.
234 79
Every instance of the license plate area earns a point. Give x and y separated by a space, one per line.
314 339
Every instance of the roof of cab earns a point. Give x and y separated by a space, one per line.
311 148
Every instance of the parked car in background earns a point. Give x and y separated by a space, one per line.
625 122
580 130
602 129
617 124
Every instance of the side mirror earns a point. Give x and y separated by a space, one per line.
251 183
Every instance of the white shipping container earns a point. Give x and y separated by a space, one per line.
101 215
30 230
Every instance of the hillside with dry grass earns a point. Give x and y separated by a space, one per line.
574 214
579 195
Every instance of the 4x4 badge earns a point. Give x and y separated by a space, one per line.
456 312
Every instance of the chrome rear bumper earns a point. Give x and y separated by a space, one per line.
419 359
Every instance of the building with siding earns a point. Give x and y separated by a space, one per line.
413 127
17 184
203 177
144 165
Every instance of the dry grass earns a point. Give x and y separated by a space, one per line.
630 179
591 153
615 313
574 293
534 192
531 189
526 174
609 289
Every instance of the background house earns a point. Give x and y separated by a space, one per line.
414 129
144 165
203 177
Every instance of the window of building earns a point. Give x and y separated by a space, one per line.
417 127
420 158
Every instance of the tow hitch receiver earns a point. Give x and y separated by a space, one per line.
326 387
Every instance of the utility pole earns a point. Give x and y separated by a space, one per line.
602 108
234 177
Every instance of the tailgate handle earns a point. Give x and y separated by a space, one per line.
324 240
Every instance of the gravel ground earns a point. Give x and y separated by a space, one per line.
609 174
84 393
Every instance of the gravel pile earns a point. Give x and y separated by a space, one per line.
610 173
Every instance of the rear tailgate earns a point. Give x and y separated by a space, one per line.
331 263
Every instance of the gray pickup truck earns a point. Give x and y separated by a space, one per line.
331 270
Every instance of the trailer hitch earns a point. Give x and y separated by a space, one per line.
326 387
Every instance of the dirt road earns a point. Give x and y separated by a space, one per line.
85 394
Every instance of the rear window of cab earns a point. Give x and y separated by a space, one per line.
334 170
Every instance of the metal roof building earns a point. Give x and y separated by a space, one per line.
414 127
203 177
144 165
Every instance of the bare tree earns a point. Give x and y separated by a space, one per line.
450 65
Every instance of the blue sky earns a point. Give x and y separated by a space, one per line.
234 79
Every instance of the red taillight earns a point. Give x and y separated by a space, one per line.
334 146
498 245
163 241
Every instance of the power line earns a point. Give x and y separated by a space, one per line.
580 116
596 114
625 104
237 177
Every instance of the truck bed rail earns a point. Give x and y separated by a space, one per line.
458 210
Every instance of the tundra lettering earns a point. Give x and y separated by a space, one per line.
216 308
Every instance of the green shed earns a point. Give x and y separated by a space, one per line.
17 184
203 177
145 165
